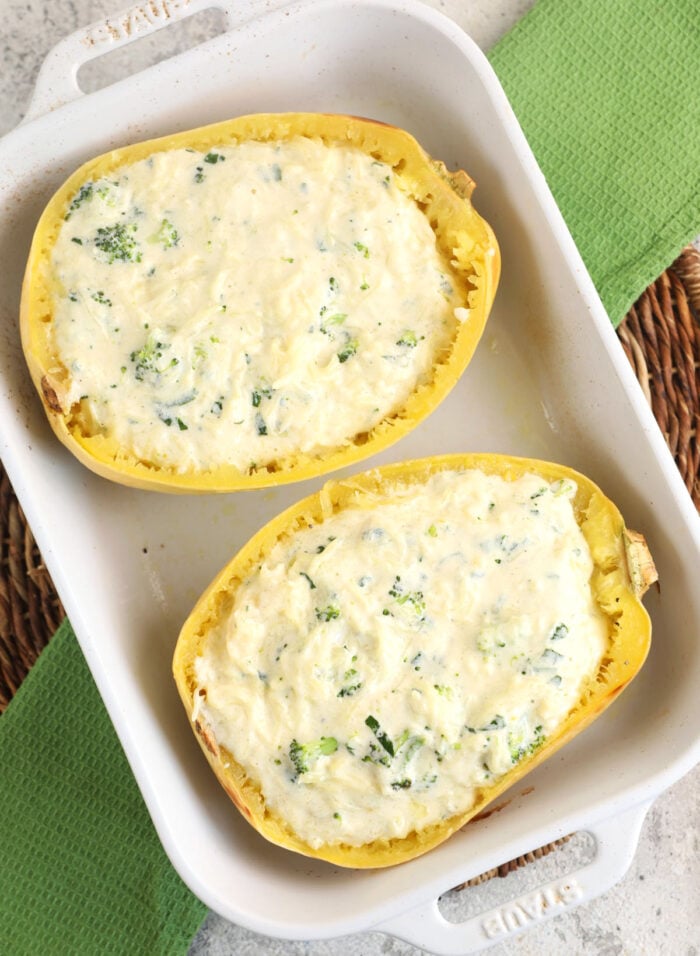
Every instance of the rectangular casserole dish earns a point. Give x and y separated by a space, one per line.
549 380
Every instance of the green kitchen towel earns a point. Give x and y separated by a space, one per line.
607 94
82 870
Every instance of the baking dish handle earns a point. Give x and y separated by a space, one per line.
616 842
57 81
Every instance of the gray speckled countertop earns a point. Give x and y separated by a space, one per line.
655 909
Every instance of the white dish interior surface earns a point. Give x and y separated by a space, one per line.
549 380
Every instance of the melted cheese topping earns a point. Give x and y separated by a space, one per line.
240 306
380 667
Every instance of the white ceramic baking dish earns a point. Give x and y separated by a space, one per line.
549 380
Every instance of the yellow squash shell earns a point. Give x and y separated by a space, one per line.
623 570
444 197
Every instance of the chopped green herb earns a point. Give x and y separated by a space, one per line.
311 583
362 248
383 739
496 723
214 158
559 632
322 547
349 690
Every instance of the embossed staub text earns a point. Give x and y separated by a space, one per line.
529 909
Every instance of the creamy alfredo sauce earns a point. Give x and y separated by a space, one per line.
240 305
381 666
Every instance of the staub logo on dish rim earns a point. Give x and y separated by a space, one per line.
531 908
143 17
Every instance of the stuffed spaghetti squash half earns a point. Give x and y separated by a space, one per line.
254 302
387 656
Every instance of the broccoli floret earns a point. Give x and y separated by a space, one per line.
404 784
146 359
559 632
330 613
409 339
84 194
414 598
520 748
167 236
257 395
336 319
117 242
101 298
349 349
303 755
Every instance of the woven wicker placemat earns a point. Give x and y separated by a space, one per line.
661 338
